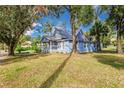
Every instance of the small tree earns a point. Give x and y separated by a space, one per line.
35 43
13 22
98 28
19 48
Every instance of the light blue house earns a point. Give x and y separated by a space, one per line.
59 40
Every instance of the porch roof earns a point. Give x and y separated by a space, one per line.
48 39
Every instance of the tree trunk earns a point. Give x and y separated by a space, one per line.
98 43
11 50
119 46
74 42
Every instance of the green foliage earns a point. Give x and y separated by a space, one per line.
35 44
56 10
19 48
24 38
81 15
13 22
35 48
100 32
116 15
47 27
115 19
122 43
102 29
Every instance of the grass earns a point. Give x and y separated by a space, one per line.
62 70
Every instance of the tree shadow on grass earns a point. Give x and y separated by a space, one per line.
55 74
114 61
20 58
108 51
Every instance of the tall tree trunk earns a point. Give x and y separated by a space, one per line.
98 43
74 42
119 46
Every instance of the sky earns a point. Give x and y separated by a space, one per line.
64 18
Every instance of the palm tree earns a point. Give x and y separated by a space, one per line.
97 26
116 16
99 31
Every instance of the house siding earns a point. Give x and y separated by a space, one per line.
81 47
68 47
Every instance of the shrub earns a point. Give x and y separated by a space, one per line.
36 48
19 48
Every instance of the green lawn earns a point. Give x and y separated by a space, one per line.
61 70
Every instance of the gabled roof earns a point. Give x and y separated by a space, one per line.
60 34
81 36
45 39
57 34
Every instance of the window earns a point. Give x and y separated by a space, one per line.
59 44
54 45
84 44
70 41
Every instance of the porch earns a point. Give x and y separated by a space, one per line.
52 46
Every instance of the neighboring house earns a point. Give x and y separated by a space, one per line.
61 41
26 44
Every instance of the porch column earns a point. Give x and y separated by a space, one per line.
61 46
50 46
87 50
42 47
